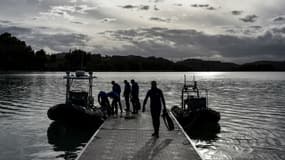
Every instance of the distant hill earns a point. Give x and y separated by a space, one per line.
201 65
263 66
17 55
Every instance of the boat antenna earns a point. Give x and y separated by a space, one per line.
195 82
184 79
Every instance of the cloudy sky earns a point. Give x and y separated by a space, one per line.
227 30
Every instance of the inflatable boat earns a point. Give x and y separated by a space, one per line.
78 108
194 113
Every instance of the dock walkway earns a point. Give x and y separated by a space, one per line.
130 139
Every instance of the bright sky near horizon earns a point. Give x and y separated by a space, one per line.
226 30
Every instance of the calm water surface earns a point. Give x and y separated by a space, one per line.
252 107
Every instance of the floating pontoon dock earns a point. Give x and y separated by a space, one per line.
130 139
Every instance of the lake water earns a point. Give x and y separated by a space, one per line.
252 107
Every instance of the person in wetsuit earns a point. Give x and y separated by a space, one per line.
116 89
104 103
135 96
115 99
127 92
156 103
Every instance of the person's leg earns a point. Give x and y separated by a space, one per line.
127 103
133 104
137 103
120 104
156 121
113 106
153 121
116 106
109 107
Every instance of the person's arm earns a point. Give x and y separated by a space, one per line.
163 102
144 102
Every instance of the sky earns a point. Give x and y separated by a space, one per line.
237 31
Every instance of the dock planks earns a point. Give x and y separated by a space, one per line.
130 139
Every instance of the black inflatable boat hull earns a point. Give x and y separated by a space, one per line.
75 114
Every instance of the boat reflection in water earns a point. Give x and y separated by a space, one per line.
69 139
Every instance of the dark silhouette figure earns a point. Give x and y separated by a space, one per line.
104 103
116 89
127 92
135 97
156 98
115 101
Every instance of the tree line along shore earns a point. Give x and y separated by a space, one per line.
17 55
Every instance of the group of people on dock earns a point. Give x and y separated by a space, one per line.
131 94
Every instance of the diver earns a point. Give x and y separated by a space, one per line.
115 101
135 96
104 103
117 90
156 99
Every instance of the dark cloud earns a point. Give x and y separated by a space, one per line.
231 31
178 4
159 19
14 30
107 20
175 43
236 12
76 22
5 21
249 18
280 30
203 5
144 7
129 6
155 8
206 6
200 5
244 30
157 1
279 19
211 8
56 41
256 27
140 7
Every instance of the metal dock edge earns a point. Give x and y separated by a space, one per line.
186 135
90 140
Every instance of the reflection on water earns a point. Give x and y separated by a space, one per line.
205 134
251 106
68 139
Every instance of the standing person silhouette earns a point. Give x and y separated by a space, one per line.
127 92
135 96
156 100
117 90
